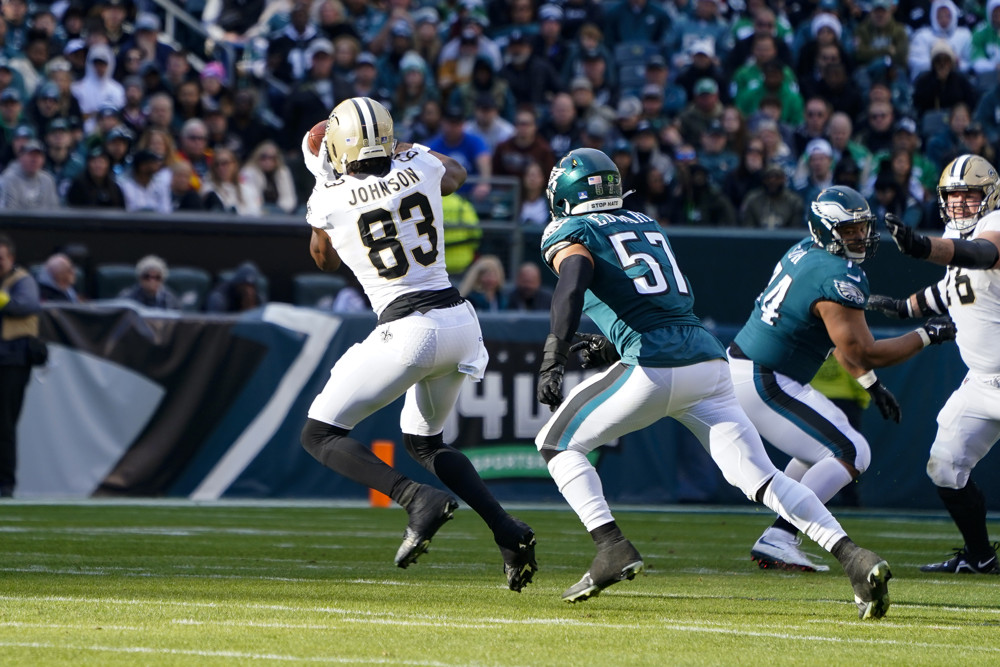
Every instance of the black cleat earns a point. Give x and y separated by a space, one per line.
869 576
962 563
615 563
428 510
517 546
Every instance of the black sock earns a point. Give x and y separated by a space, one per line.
967 507
332 447
843 548
456 471
607 534
781 524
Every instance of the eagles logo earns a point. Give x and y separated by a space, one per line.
849 292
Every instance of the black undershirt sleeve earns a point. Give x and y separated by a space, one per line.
575 274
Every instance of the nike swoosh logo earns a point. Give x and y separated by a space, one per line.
985 563
856 279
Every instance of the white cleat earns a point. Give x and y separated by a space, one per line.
778 549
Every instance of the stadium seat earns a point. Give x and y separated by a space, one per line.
111 279
316 289
190 284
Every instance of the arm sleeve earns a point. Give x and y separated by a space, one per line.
575 274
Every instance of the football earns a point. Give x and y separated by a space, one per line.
316 135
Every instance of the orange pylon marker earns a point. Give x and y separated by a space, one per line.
385 450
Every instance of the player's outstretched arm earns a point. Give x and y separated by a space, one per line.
858 348
322 251
982 252
454 173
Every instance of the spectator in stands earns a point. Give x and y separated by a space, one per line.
245 121
15 16
765 22
183 195
118 145
736 128
527 145
880 36
528 293
98 87
459 54
62 160
426 39
216 119
187 101
534 202
876 132
946 145
818 172
160 113
363 82
193 146
287 49
900 167
75 53
561 127
145 37
635 21
905 136
470 151
985 50
577 13
215 85
142 189
57 280
775 148
891 197
823 47
366 19
702 64
237 21
224 192
25 186
97 185
943 85
483 80
704 108
416 86
771 205
31 65
705 25
177 71
331 19
150 287
975 143
776 81
551 43
20 136
839 132
531 78
713 154
587 106
700 201
58 72
400 42
944 25
588 40
113 14
161 143
266 174
11 112
510 16
238 294
133 114
129 63
748 173
483 284
817 115
651 105
487 124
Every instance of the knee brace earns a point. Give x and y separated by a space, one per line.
423 448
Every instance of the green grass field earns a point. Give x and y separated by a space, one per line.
230 583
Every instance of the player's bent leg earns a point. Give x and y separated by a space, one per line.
515 538
331 446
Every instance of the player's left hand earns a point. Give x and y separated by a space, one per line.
550 375
940 329
908 241
885 402
595 350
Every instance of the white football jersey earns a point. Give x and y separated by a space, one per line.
973 298
388 230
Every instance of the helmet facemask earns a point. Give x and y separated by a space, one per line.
839 207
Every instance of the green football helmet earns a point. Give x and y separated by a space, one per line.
583 181
837 207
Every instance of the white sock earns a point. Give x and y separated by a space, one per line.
580 485
796 468
826 477
800 506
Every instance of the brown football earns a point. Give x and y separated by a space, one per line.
316 135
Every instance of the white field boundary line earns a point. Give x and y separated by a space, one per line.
147 650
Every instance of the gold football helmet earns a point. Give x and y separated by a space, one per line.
358 129
965 173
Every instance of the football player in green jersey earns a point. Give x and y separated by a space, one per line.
617 266
815 301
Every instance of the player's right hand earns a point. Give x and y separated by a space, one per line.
595 350
550 374
940 329
885 402
894 308
908 241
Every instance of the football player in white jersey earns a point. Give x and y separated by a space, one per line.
377 208
969 423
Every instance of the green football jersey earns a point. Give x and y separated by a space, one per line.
638 297
782 332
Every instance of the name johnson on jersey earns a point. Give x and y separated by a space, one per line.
383 187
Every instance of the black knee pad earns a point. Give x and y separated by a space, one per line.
423 448
316 434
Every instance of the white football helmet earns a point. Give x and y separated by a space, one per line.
358 129
965 173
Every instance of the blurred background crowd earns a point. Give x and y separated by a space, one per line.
718 113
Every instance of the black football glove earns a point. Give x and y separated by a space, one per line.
595 350
885 401
894 308
550 374
939 329
908 241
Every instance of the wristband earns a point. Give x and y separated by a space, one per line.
867 380
923 336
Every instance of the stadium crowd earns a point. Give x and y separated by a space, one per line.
716 113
